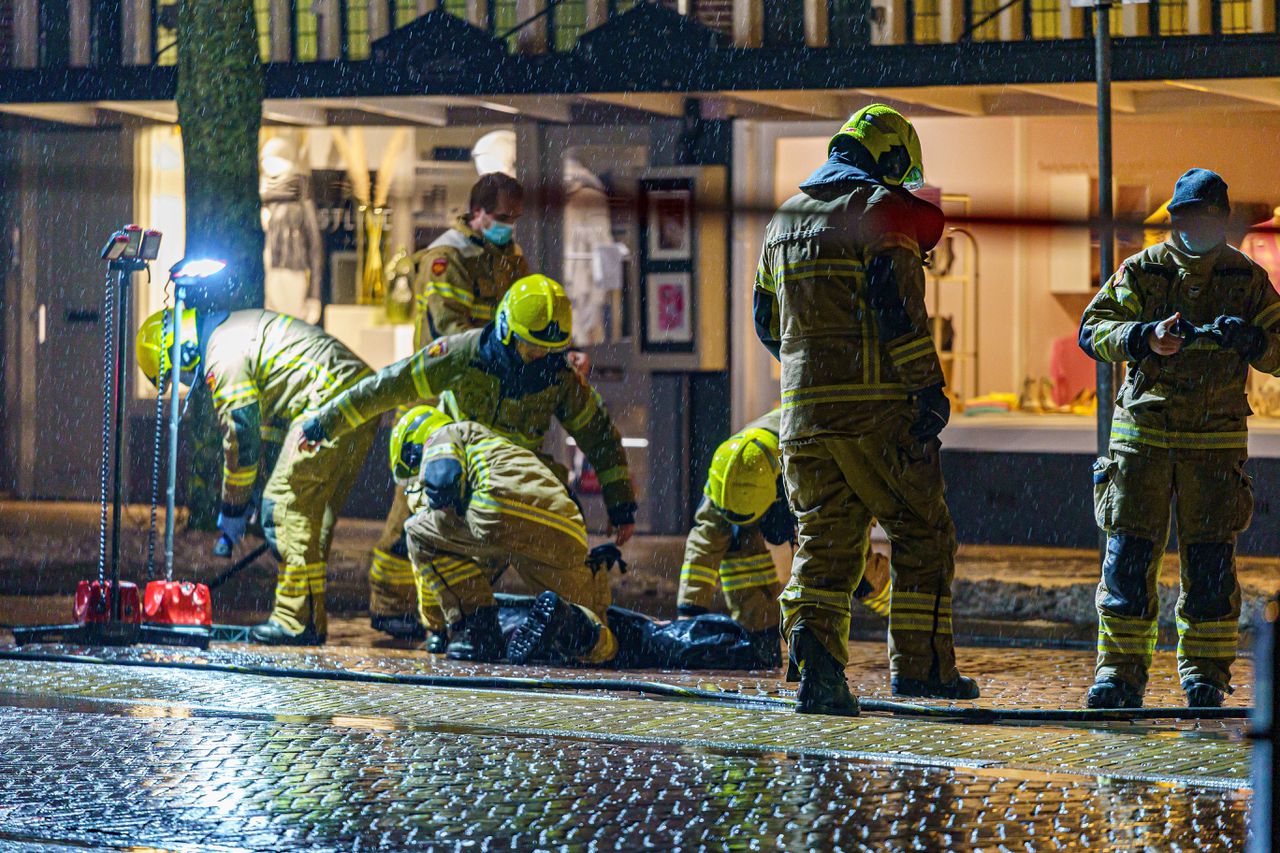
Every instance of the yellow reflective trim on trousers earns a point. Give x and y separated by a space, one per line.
389 568
1125 646
899 621
794 597
921 599
615 474
1188 647
534 514
755 561
1267 316
1220 628
702 574
745 581
240 476
448 291
1169 440
842 394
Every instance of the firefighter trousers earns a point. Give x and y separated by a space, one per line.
300 503
836 485
1212 502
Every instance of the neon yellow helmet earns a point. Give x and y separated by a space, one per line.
536 310
412 431
743 480
890 140
154 342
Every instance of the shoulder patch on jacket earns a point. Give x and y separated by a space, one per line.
438 347
439 264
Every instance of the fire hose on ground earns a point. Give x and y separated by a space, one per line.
951 713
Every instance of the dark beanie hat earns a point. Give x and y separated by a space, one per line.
1200 188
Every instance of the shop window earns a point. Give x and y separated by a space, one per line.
924 19
1045 19
306 42
568 22
1172 17
457 8
1234 16
503 17
404 12
262 19
357 29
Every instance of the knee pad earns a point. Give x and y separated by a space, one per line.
1210 570
1124 571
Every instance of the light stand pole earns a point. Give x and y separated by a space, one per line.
1106 219
175 416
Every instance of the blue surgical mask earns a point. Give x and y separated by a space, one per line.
1203 237
499 233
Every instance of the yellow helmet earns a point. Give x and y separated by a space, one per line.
412 431
743 480
890 140
537 311
154 342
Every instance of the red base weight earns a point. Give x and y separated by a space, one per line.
177 603
93 603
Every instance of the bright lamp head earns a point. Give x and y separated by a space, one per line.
189 271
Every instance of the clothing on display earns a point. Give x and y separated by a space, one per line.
293 258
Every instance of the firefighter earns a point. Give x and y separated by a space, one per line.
460 279
513 377
266 371
1189 316
743 511
480 503
839 300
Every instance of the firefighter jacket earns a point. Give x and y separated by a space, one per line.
716 549
461 278
506 496
264 370
491 385
839 300
1195 399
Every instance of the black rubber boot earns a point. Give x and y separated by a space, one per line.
1113 693
1202 694
823 688
272 633
477 637
405 626
959 687
767 646
437 642
553 625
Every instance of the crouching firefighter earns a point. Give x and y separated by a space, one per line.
839 300
1189 316
743 511
513 377
479 504
266 371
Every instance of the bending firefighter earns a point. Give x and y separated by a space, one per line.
266 371
839 299
512 377
481 504
743 511
1189 316
460 279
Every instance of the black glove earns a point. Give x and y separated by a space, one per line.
1238 334
443 481
933 410
313 431
605 557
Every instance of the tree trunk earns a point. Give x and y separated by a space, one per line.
220 90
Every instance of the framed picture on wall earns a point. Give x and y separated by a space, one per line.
668 298
669 223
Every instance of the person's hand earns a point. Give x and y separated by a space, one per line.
233 527
1165 339
580 362
1238 334
933 410
622 533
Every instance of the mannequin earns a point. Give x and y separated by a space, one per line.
294 255
495 152
586 231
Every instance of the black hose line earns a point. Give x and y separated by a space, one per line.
655 688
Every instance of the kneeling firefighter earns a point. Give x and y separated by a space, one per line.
743 511
267 371
480 504
1190 316
514 377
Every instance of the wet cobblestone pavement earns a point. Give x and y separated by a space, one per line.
120 756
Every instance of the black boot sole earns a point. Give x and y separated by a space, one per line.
915 689
378 623
534 638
